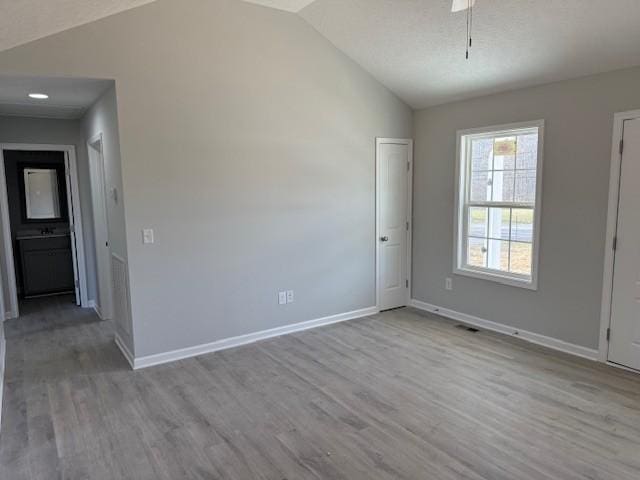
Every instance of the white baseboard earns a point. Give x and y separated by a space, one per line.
160 358
96 308
536 338
622 367
125 351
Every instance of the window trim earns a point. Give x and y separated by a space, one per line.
461 175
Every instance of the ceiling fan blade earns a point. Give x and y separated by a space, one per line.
460 5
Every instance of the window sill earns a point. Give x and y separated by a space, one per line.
526 283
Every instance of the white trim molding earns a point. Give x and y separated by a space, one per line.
93 305
125 351
397 141
550 342
166 357
460 234
612 226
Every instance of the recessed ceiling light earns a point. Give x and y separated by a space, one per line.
39 96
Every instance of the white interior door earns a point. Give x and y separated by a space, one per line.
72 229
624 347
394 167
104 302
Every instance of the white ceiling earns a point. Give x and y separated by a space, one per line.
416 47
68 98
288 5
22 21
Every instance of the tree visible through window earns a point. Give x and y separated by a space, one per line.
498 202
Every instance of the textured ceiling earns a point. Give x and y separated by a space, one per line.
288 5
22 21
416 47
68 98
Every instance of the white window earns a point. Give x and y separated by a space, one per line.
498 203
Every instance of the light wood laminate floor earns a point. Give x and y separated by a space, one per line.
392 396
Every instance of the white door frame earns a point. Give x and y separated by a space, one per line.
103 311
612 226
73 204
409 143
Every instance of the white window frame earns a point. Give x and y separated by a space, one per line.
463 166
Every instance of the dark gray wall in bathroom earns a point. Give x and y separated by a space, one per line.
11 160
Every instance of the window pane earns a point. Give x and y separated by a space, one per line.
480 187
503 183
521 258
477 254
522 225
525 186
478 222
499 220
498 255
498 204
481 153
504 153
527 156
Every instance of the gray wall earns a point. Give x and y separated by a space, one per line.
102 118
579 121
247 143
60 132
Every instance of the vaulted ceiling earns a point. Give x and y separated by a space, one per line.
288 5
22 21
416 47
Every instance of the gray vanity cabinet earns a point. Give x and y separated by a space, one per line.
47 265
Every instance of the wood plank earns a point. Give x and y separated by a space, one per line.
399 395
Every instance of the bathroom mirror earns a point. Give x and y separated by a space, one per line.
41 194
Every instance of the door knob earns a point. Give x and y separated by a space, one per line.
384 239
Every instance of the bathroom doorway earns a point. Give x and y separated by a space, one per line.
39 196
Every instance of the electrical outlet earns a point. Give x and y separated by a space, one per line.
282 298
147 236
289 296
448 284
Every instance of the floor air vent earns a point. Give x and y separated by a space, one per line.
467 328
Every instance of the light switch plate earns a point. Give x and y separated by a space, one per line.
448 284
289 296
147 236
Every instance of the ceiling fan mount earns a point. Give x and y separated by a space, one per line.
462 5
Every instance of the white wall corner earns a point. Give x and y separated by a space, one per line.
550 342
